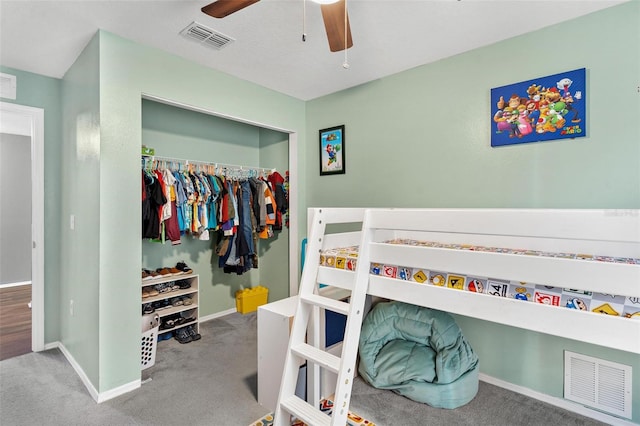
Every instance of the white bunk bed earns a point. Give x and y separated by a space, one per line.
591 254
539 239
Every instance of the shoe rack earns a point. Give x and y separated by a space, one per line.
166 302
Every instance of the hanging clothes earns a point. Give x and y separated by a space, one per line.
270 212
152 202
223 205
276 181
171 222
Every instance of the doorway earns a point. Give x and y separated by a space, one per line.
21 230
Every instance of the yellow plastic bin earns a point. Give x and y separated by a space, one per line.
249 299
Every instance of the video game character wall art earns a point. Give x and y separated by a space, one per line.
542 109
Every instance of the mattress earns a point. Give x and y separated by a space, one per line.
600 303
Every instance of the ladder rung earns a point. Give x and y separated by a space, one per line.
305 412
317 356
326 303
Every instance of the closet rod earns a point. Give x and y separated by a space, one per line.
209 163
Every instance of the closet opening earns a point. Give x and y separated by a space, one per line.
183 136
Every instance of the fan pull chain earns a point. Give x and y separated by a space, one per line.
304 20
345 65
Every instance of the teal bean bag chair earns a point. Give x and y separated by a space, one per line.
419 353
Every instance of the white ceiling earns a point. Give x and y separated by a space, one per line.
45 37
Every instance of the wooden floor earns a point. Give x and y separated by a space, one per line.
15 321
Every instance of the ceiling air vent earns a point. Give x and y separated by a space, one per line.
206 36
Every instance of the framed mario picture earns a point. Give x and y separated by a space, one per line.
542 109
332 158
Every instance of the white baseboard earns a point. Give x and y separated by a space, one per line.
97 396
120 390
558 402
128 387
52 345
80 372
218 315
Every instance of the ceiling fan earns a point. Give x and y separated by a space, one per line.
334 14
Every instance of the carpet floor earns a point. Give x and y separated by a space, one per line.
213 381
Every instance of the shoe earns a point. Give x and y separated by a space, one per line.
145 293
192 332
150 274
148 308
166 324
165 336
162 288
184 268
164 272
186 300
183 336
184 284
175 271
177 301
161 304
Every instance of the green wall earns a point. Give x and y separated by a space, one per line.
178 133
81 197
127 71
44 92
421 138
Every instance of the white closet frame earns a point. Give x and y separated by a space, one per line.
294 229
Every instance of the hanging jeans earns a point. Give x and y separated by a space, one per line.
246 215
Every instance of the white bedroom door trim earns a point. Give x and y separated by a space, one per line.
29 121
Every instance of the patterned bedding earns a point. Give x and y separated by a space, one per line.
608 304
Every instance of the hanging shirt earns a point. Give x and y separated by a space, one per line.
153 201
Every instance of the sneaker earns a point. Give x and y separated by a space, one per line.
148 308
163 288
183 267
161 304
150 274
192 332
166 324
183 284
165 336
175 271
183 336
164 272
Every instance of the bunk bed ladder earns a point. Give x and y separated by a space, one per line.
303 346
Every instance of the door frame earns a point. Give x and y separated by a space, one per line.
29 121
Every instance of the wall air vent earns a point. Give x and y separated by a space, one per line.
596 383
206 36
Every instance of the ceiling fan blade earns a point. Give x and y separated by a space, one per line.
334 22
222 8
